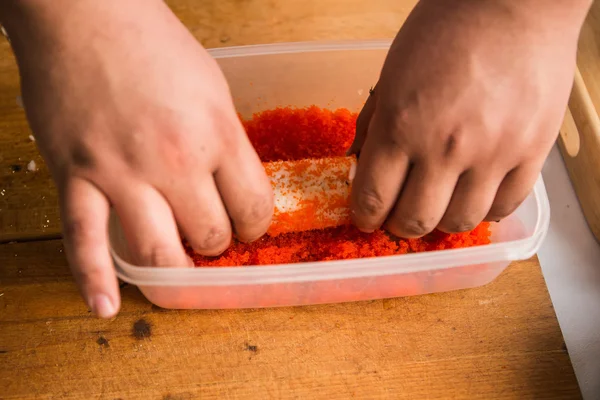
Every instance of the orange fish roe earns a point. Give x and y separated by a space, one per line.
297 133
286 133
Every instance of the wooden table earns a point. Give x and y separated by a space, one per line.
501 341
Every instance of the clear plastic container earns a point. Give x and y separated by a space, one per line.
330 74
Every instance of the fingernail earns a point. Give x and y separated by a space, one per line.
352 172
102 306
366 230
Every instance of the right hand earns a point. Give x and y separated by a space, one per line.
464 115
129 111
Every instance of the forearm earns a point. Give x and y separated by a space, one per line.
31 21
559 15
565 13
64 29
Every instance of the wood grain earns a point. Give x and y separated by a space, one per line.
584 167
501 341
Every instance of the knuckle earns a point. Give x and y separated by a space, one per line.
158 255
79 231
86 275
395 138
396 142
370 203
228 126
458 226
212 242
414 227
181 157
135 149
186 159
259 209
179 149
251 221
230 137
455 143
82 156
393 124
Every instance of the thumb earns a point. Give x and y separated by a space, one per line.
362 123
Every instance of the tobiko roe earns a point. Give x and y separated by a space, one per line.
287 133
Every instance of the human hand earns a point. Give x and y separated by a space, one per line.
129 111
466 110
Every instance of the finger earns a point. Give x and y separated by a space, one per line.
513 190
362 123
471 201
246 192
201 215
85 212
149 227
380 173
423 201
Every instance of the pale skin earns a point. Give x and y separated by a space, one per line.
130 111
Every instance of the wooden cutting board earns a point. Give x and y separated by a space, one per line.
501 341
580 133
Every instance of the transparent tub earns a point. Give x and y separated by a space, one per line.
330 75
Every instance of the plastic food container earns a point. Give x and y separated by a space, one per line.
332 75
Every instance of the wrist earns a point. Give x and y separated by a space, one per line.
556 12
34 22
60 29
558 15
22 18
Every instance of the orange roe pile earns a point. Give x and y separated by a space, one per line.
312 132
297 133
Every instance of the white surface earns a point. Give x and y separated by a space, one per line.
570 260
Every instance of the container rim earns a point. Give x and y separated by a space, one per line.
344 269
298 47
339 269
